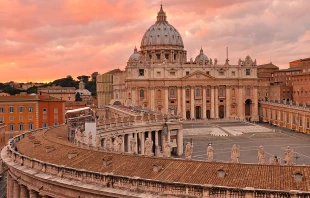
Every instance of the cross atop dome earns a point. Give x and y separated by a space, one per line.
161 16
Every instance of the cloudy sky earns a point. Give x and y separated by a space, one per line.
42 40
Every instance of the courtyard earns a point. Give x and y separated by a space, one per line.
223 134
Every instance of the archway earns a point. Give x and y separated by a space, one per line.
208 114
188 115
198 112
221 111
117 103
247 112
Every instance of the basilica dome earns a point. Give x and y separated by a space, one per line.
135 56
201 56
161 34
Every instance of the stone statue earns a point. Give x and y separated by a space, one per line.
157 151
288 156
291 102
239 61
275 160
107 144
191 60
211 61
90 139
167 149
83 137
210 153
215 61
261 155
148 145
235 154
97 141
117 144
77 136
188 151
133 145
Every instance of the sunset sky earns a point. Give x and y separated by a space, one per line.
43 40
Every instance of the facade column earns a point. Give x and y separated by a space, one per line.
166 100
255 107
183 103
142 142
204 106
179 100
16 189
212 103
304 123
10 186
136 139
291 120
23 192
168 136
216 103
133 96
152 98
227 98
156 138
33 194
192 102
240 106
129 136
123 144
149 135
180 142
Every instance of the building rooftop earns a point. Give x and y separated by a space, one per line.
271 177
299 60
289 69
268 66
19 98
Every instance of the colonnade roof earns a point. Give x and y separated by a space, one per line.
173 170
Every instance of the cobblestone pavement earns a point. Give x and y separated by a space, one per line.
273 139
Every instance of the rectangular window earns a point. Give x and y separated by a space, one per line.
21 126
11 118
11 109
30 126
158 74
172 73
1 109
187 73
141 72
44 111
233 73
11 127
221 73
55 116
20 109
30 108
44 125
55 110
21 117
30 117
158 56
248 72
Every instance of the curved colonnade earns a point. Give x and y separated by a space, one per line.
45 164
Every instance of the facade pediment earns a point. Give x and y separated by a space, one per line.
198 75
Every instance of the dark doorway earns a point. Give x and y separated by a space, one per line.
208 114
198 112
188 115
248 108
221 111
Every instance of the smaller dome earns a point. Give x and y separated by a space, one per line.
135 56
201 56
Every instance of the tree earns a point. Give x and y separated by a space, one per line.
11 90
33 89
78 97
83 78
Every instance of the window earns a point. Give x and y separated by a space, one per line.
11 118
172 73
158 56
171 92
197 92
248 92
11 127
221 92
141 93
30 117
141 72
21 117
248 72
55 110
221 73
30 126
44 111
44 125
11 109
208 73
21 126
187 93
167 56
20 109
187 73
1 109
158 74
208 93
55 116
30 108
300 122
56 123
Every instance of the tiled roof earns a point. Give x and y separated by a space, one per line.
269 177
289 69
268 66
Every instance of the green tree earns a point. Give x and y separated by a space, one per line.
78 97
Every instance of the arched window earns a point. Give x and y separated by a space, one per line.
141 93
208 92
197 92
221 92
158 93
248 93
171 92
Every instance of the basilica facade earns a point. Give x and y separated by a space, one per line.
160 77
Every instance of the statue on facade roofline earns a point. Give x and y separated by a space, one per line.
107 144
210 152
215 61
261 155
235 154
211 61
148 145
188 151
133 145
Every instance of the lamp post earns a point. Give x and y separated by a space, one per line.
296 156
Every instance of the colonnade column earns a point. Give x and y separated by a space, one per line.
133 96
23 191
183 103
179 100
204 107
128 143
240 102
33 194
216 103
227 97
156 138
123 143
180 142
142 142
304 123
10 185
136 139
212 102
291 120
255 107
166 100
16 193
152 98
192 102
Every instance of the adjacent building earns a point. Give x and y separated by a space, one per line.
2 134
62 93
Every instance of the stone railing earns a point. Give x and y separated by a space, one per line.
135 184
291 105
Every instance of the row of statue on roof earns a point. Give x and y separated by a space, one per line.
235 154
